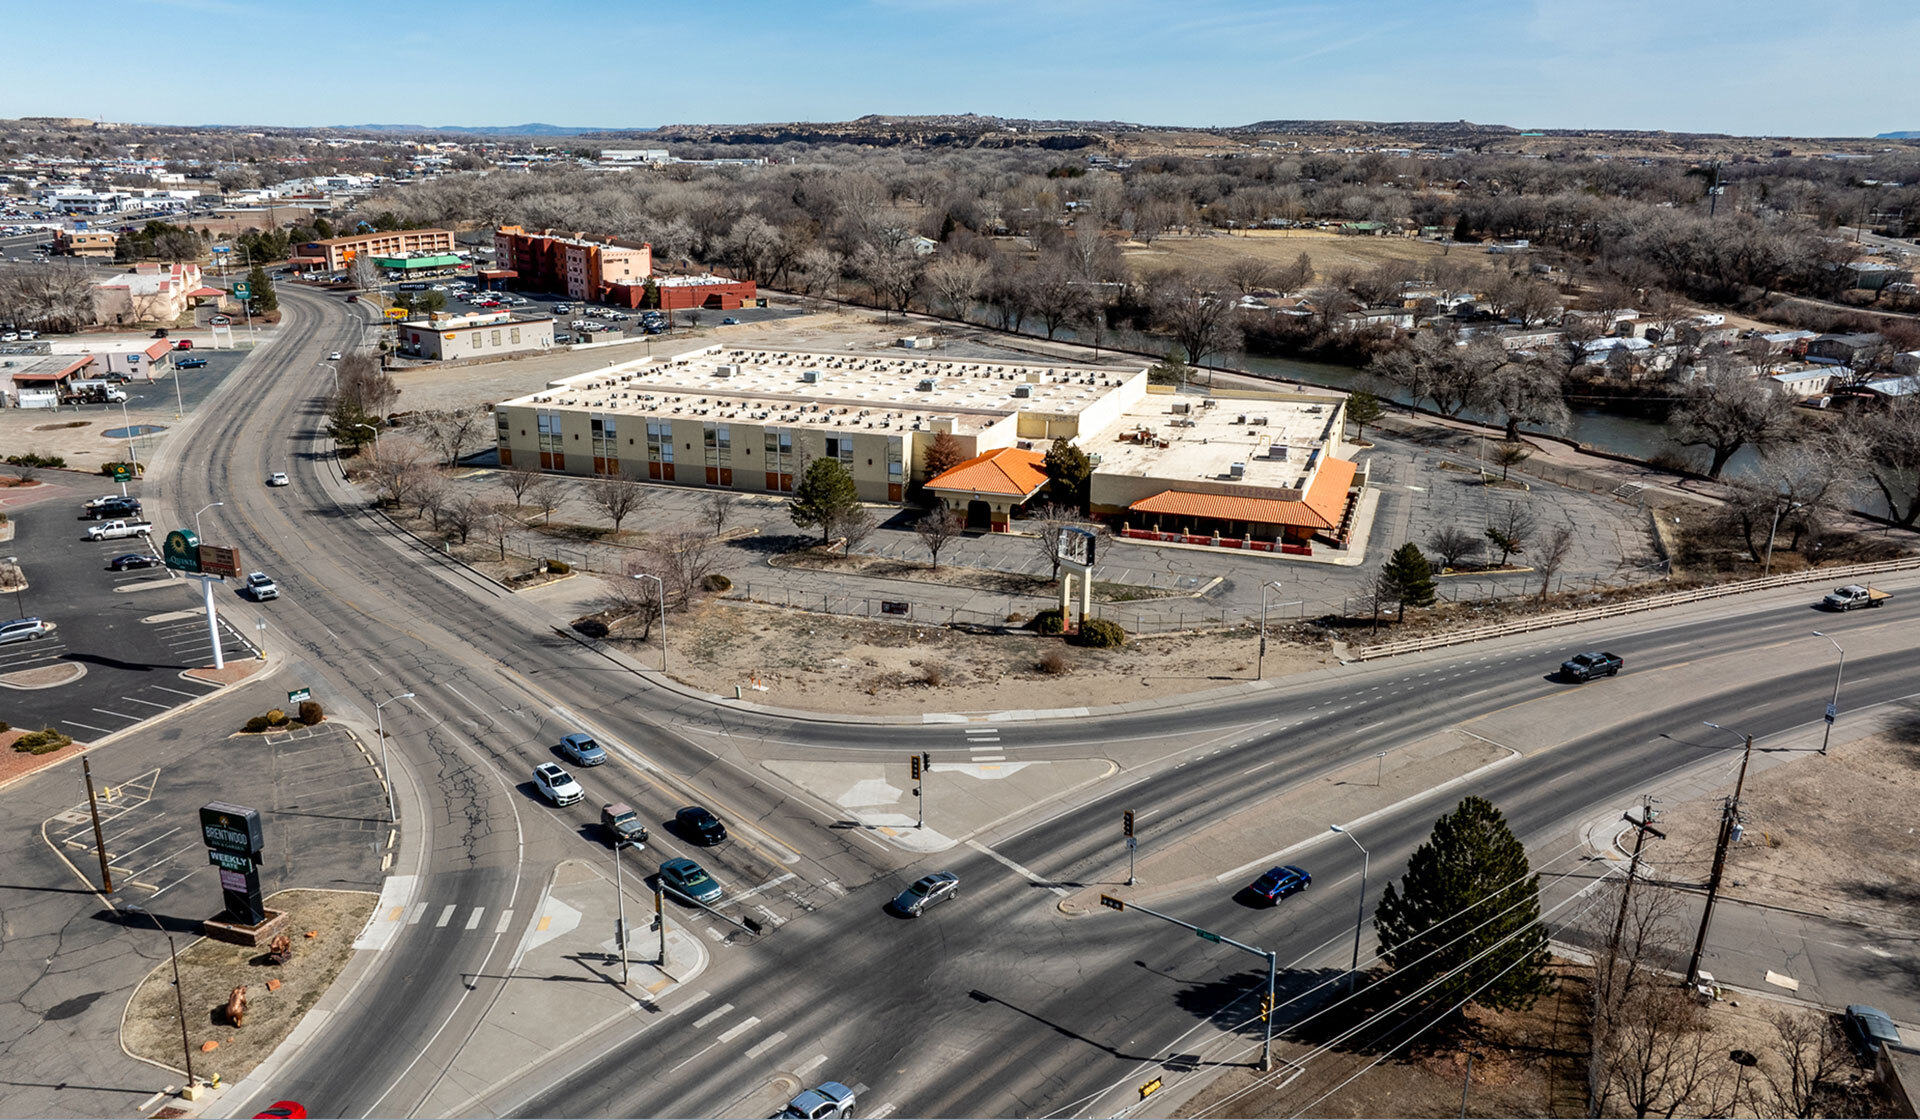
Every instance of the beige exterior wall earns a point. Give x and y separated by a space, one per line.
485 340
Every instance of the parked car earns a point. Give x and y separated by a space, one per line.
190 363
23 630
118 507
184 344
353 299
159 332
1869 1028
927 891
623 825
104 499
283 1110
1279 882
260 587
582 749
689 880
277 478
134 560
118 529
1593 663
828 1099
558 785
700 826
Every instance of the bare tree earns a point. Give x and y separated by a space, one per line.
366 387
461 511
617 498
1248 273
893 272
496 522
1509 455
1047 522
1724 409
1551 555
637 599
1509 528
1195 310
959 280
1892 459
683 559
518 479
547 492
1295 276
1811 1054
717 511
429 491
396 471
936 529
855 525
452 434
1452 544
1528 391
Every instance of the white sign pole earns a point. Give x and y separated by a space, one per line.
213 623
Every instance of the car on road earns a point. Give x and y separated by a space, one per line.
828 1099
700 826
283 1110
689 880
1869 1028
334 356
556 784
23 630
928 890
580 747
623 825
184 344
1279 882
134 560
277 478
1593 663
729 321
260 587
1853 596
190 363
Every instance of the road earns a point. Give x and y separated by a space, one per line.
993 1005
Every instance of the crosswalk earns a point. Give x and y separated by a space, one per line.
980 742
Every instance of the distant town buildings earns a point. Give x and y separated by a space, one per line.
335 254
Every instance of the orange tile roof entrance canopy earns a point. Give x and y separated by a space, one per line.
1004 470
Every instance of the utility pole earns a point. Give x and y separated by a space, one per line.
1604 1001
1729 818
1466 1083
660 921
99 843
1833 705
620 894
1126 829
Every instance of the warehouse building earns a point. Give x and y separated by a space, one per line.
1251 470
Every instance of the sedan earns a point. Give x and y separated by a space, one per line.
277 478
1869 1029
689 880
829 1099
927 891
283 1110
556 784
582 749
700 826
334 356
729 321
190 363
134 560
1279 882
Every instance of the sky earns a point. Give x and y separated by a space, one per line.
1750 67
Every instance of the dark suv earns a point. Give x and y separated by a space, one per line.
699 826
1586 666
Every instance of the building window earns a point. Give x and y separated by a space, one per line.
659 441
496 338
725 441
476 340
779 447
513 336
504 429
606 437
549 425
895 466
841 448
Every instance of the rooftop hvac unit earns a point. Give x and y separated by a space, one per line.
1277 451
1023 390
929 384
1237 470
1182 408
1257 421
810 376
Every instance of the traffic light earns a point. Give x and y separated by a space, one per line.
1112 903
914 766
1126 823
1266 1007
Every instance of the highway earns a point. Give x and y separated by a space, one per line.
997 1004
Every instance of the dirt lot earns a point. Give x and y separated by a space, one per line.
1331 252
210 969
878 668
1817 835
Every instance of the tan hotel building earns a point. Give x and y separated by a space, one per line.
1255 467
336 253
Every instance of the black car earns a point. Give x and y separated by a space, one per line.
134 560
125 507
700 826
1586 666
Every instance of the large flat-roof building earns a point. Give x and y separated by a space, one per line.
443 338
1258 467
582 267
148 293
336 253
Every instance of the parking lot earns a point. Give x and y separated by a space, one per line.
133 632
544 303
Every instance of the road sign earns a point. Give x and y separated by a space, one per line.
1150 1088
299 694
1205 936
1832 711
242 290
1131 843
122 472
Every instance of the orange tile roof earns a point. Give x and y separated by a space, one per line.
1004 470
1325 502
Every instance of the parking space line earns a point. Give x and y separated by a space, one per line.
148 703
119 715
177 692
84 726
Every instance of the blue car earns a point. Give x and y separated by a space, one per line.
688 879
1279 882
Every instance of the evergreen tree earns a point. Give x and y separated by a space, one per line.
1068 471
1468 891
264 297
825 496
1363 408
1408 576
944 454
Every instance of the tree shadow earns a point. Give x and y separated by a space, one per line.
774 544
1312 1008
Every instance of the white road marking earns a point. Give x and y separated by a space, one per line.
738 1029
689 1002
810 1064
414 914
1014 867
764 886
445 915
988 758
712 1015
771 1041
506 918
475 919
148 703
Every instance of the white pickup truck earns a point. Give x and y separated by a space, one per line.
1854 595
115 530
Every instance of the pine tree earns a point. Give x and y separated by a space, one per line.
1409 577
264 297
943 454
1468 891
1363 408
824 497
1068 472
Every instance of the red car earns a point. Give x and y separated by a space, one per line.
184 344
283 1110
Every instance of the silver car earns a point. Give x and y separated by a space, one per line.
23 630
927 891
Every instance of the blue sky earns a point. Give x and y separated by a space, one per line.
1810 68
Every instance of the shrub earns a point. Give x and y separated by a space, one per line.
1099 633
256 725
716 582
933 674
4 726
1049 621
559 567
310 712
1053 663
35 459
44 741
277 718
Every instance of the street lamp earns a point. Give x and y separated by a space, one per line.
1778 509
133 455
1833 705
380 721
1360 912
201 510
376 435
1260 659
336 378
662 586
1729 816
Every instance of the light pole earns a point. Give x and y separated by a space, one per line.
381 722
1260 659
1729 816
620 894
133 455
661 585
1360 912
336 378
1778 509
179 402
201 510
376 437
1833 705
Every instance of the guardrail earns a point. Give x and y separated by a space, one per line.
1611 610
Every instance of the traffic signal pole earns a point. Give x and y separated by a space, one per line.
1273 968
1126 828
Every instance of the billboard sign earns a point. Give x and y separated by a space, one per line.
218 561
182 550
242 290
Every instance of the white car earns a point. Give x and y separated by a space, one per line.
556 784
334 357
277 478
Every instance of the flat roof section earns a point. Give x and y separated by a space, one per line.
1175 437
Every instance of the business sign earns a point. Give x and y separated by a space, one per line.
242 290
122 472
895 606
234 844
396 312
218 561
232 880
182 550
230 861
299 694
231 828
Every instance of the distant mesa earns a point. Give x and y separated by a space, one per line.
1910 134
487 130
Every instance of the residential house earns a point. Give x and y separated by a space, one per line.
1843 349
